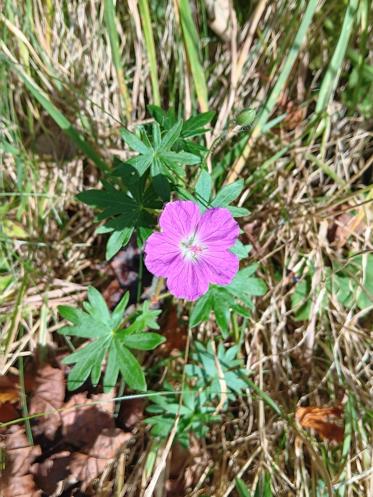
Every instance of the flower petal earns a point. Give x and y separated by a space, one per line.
180 218
218 227
220 266
161 254
188 281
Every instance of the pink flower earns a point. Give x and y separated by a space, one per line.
192 249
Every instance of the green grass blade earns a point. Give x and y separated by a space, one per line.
53 111
241 488
287 67
109 16
192 48
331 77
149 42
277 89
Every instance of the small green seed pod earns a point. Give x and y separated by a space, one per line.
246 117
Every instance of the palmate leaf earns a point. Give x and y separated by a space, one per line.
109 341
192 127
157 158
203 370
123 211
229 193
156 154
222 300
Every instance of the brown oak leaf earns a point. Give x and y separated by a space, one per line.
48 396
9 397
82 421
16 480
132 412
8 412
91 461
52 471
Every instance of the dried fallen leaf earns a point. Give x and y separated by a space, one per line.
219 13
8 412
48 396
52 472
174 331
132 412
82 422
123 269
16 480
326 421
9 395
348 224
91 461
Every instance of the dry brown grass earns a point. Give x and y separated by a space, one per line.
296 200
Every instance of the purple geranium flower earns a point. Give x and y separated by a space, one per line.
192 249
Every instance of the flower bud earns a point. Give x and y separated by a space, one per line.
246 117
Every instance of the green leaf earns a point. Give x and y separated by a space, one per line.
82 369
97 366
222 311
115 201
222 300
69 313
80 373
228 193
112 370
143 341
117 315
243 284
129 367
86 351
203 188
195 124
365 295
118 240
98 303
240 249
171 136
160 181
141 163
122 211
85 326
255 287
134 142
146 319
166 119
179 158
301 304
98 322
238 211
201 310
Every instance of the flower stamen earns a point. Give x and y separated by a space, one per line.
192 248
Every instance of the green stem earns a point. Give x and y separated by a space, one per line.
23 398
141 270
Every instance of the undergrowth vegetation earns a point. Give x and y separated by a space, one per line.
258 385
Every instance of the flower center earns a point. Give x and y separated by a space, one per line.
192 248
